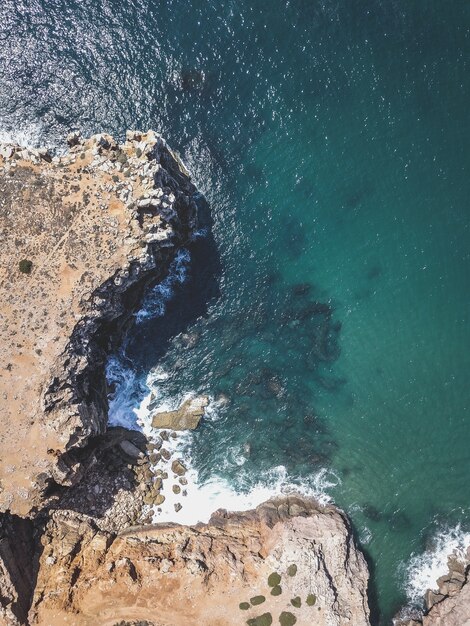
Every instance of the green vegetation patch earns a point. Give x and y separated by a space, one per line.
292 570
244 606
276 591
257 600
287 619
262 620
297 602
311 599
274 579
25 266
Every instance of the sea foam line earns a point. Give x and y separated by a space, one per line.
423 570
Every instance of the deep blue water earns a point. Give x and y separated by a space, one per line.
332 306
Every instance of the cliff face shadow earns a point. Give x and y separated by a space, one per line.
170 315
148 341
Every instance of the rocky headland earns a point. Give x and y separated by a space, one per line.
84 235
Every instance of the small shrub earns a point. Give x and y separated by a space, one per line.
274 579
138 152
292 570
276 591
257 600
115 178
262 620
244 606
25 266
311 599
287 619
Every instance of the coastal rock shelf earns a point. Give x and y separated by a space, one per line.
83 235
219 573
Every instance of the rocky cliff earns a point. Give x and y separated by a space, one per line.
290 557
449 603
83 236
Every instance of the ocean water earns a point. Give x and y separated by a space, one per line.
326 315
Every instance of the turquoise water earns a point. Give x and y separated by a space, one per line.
332 308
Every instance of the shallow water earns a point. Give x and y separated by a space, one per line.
331 139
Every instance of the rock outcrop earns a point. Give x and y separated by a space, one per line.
82 236
449 603
17 549
186 417
214 574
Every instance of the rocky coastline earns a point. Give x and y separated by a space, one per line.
84 235
448 604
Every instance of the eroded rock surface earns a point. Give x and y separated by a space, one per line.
449 603
17 551
81 237
176 575
186 417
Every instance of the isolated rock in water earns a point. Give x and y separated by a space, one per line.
178 468
187 417
185 575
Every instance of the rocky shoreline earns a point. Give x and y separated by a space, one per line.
83 236
106 221
449 603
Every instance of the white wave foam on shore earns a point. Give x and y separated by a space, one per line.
424 569
129 389
201 499
155 301
25 135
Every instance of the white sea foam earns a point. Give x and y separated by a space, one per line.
155 301
26 135
424 569
201 499
122 376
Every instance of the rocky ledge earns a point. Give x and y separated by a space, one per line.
82 236
289 561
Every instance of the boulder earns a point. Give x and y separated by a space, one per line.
178 468
130 449
186 417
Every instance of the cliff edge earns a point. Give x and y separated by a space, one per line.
290 559
82 235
